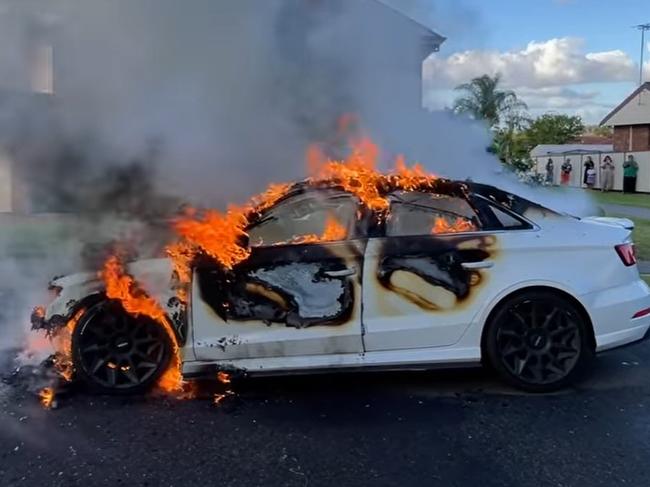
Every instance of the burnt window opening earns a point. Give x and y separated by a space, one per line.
307 218
506 220
496 217
415 213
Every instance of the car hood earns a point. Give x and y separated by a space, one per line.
142 270
154 276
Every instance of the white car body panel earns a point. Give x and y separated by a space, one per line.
393 322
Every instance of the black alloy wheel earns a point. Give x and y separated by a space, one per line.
117 353
538 341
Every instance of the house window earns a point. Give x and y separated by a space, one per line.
42 69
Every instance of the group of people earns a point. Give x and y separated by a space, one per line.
630 170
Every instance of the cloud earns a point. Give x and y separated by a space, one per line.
554 62
557 97
546 75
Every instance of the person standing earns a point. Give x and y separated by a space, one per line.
565 175
630 170
608 174
549 171
589 164
591 178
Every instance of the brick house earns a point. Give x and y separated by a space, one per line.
631 121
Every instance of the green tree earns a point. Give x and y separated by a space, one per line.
510 143
552 128
483 100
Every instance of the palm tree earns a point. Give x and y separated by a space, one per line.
484 101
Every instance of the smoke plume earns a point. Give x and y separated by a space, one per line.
155 103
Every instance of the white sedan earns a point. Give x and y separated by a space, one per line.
465 275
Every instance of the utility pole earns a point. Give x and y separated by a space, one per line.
642 28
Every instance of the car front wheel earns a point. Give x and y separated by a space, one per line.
538 341
117 353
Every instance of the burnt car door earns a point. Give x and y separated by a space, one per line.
299 292
424 271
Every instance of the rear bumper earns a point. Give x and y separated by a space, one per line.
612 314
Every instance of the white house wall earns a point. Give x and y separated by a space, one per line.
637 111
577 175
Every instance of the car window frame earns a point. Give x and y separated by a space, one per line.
393 199
484 206
358 229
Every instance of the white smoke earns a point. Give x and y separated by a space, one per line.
228 94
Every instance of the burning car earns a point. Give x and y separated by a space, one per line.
358 269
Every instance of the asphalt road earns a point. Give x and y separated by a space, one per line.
453 428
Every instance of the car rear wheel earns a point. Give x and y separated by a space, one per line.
538 341
116 353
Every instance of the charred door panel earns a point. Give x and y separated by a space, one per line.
418 290
283 300
433 262
298 286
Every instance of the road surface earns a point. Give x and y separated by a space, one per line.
453 428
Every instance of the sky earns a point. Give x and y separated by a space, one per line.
565 56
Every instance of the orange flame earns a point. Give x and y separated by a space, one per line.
181 254
39 311
123 288
411 178
268 198
218 234
357 174
219 398
62 342
46 396
333 231
442 225
224 377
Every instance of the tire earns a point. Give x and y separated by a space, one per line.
538 341
116 353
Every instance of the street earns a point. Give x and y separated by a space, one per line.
451 428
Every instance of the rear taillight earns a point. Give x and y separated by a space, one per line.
627 253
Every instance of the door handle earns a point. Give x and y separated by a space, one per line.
348 271
470 266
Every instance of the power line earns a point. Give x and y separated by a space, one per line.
643 28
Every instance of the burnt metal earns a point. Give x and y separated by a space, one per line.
437 260
294 275
51 326
177 313
509 200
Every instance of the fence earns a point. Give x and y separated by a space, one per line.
578 159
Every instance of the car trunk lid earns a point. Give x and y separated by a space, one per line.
625 223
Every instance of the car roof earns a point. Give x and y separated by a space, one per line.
463 189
